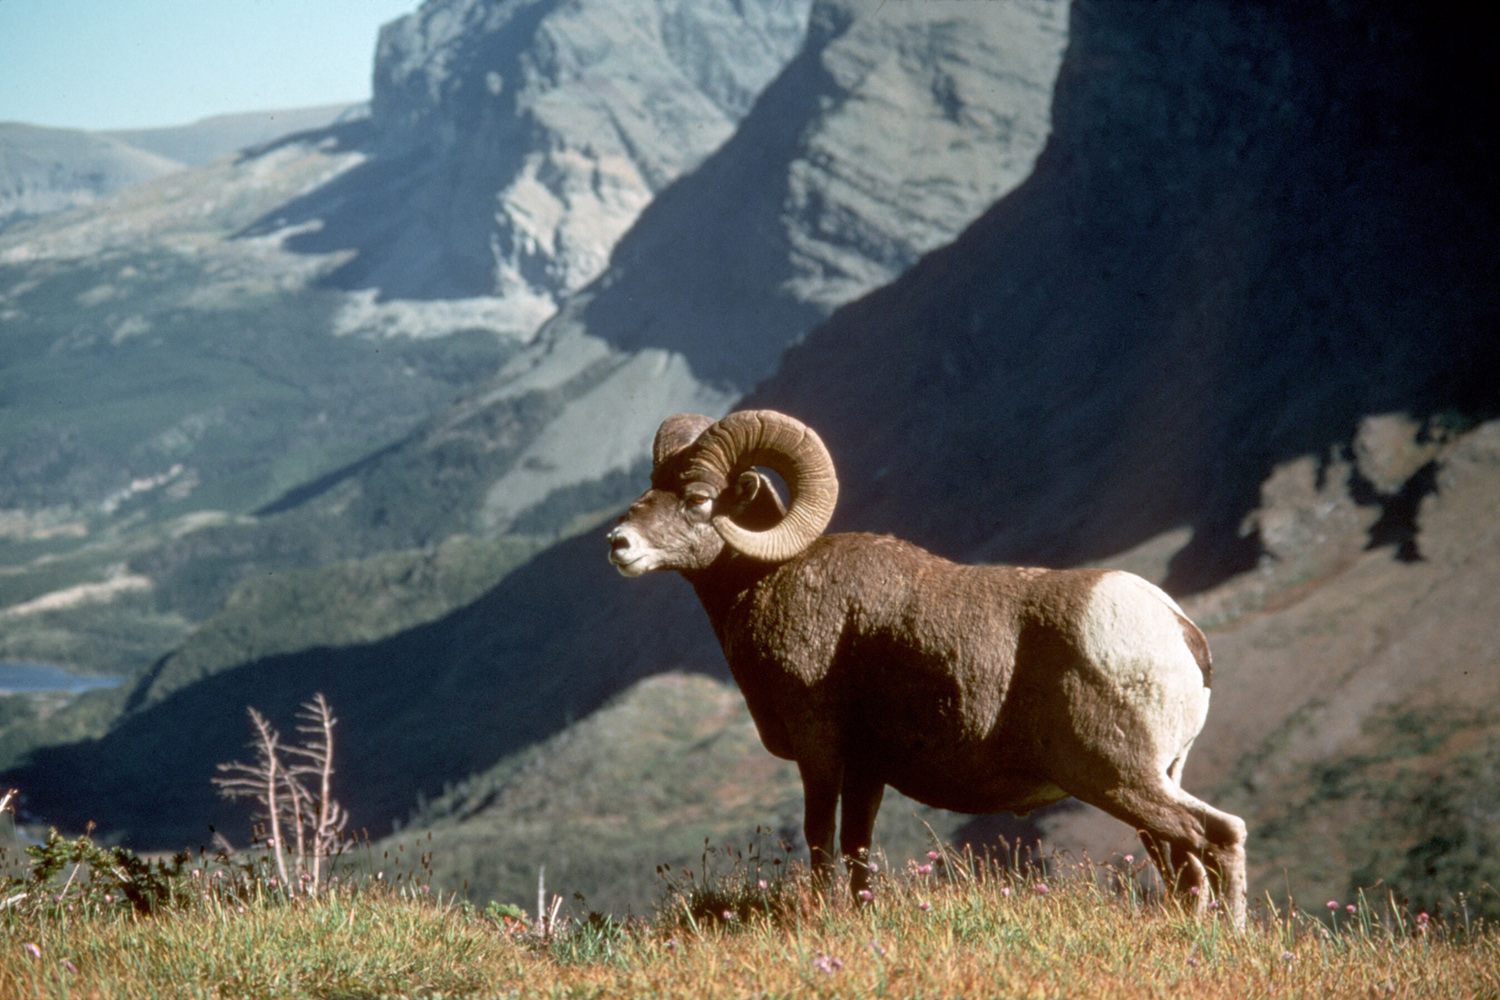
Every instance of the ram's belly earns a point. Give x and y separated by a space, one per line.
936 736
982 791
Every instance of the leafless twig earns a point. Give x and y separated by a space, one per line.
314 822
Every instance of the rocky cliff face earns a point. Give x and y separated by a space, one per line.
517 141
894 127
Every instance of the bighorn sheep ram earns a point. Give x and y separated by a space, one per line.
871 662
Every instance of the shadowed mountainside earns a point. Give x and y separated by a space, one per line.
1220 263
419 710
879 142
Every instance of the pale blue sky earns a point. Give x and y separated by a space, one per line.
110 64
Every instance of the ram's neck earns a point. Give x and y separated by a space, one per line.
726 585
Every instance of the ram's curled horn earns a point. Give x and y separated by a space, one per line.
796 453
676 433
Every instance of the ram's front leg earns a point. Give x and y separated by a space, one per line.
820 801
861 794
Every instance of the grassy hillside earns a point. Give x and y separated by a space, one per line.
953 929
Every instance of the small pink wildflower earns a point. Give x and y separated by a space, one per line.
874 868
924 869
762 885
1041 889
1422 919
68 964
1350 908
728 914
933 855
924 906
33 950
1195 890
1130 859
1005 890
866 895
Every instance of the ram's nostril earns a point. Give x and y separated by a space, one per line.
618 540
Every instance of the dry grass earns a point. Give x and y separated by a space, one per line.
959 930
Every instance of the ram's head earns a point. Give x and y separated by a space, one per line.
706 493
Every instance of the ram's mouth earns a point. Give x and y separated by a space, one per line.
629 564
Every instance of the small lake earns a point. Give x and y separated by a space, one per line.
18 678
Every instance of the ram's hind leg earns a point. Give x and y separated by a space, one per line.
1216 872
1185 834
1181 871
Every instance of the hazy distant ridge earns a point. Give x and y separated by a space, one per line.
208 139
46 170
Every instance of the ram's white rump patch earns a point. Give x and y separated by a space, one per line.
1133 634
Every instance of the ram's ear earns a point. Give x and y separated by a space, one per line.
755 504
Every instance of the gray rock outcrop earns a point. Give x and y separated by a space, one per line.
514 143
